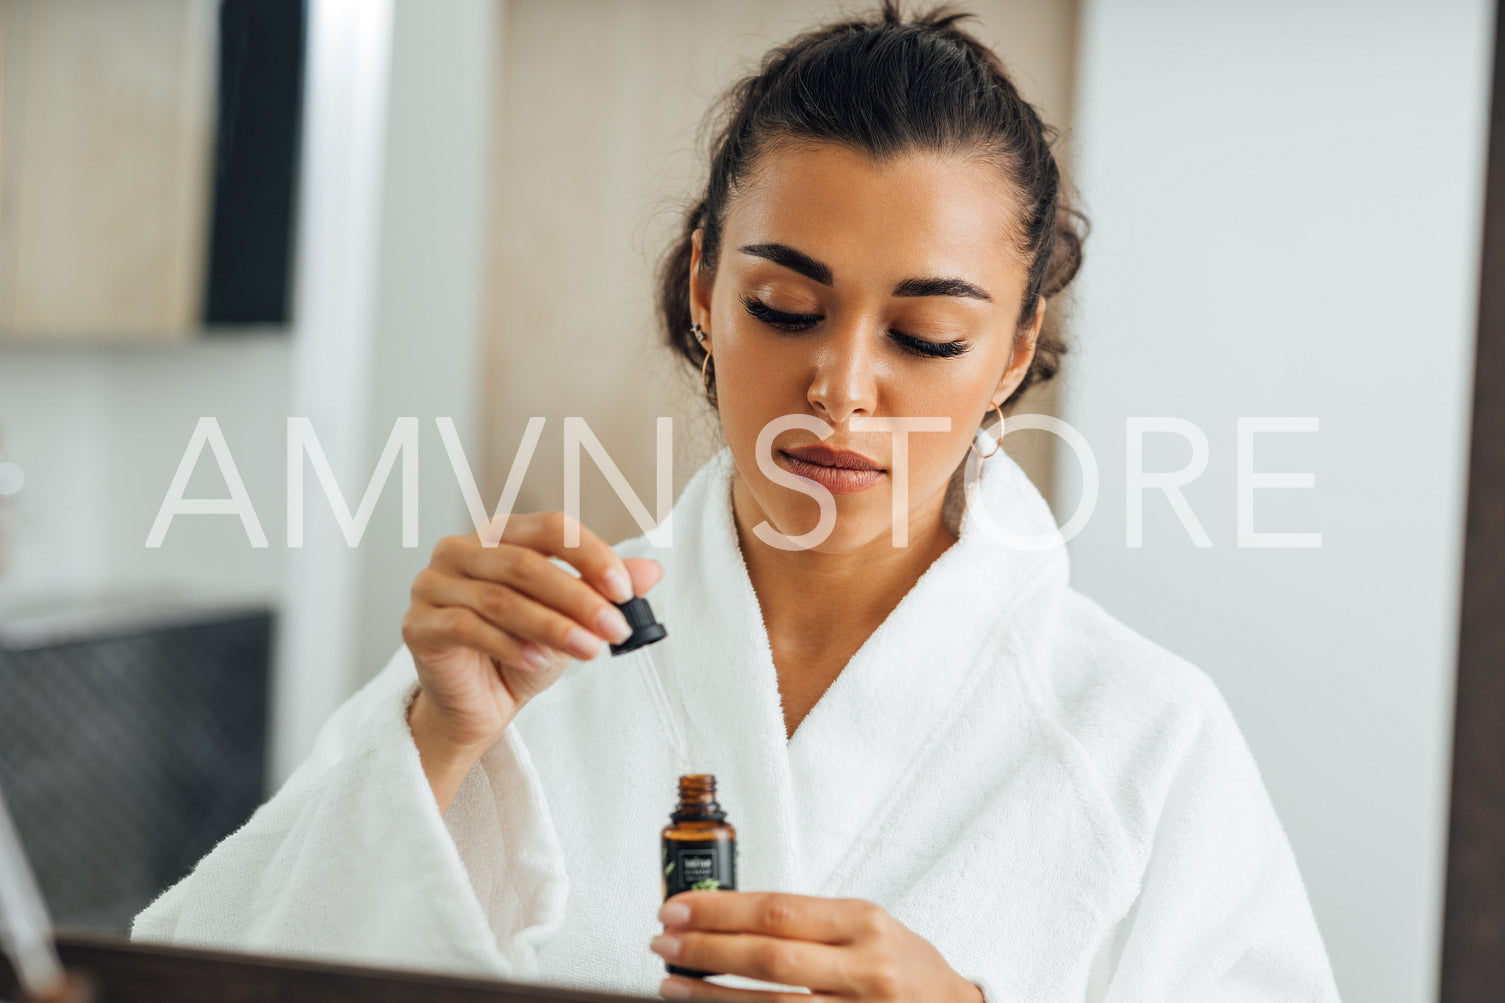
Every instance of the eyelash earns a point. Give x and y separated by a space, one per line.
800 321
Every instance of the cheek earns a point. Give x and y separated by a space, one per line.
956 389
759 377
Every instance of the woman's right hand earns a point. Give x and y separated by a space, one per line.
490 628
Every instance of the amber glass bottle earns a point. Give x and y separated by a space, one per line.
699 847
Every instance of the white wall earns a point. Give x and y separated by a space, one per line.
1286 200
388 309
431 277
99 431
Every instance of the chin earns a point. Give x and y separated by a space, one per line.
857 525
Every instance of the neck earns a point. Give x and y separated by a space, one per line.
812 600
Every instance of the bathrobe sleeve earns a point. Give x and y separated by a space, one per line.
1221 913
351 860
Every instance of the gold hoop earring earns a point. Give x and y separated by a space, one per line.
972 445
704 381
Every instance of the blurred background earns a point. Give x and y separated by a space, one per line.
357 211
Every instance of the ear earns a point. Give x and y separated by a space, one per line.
1025 340
700 292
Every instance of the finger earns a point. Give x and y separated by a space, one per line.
645 573
677 987
531 573
544 581
438 627
776 914
769 959
597 563
522 616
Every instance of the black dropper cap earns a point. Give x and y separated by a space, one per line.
645 629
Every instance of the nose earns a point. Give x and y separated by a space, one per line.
846 377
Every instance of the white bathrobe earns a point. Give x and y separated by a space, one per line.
1066 810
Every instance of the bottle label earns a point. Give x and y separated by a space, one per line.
699 866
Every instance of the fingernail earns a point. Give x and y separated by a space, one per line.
583 643
674 989
619 585
612 624
674 914
666 946
534 656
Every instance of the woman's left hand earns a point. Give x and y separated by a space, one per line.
846 949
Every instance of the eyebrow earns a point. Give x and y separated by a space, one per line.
783 254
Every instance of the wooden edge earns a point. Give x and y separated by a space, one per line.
124 972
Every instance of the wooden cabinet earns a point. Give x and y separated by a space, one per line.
106 146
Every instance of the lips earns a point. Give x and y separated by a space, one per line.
839 459
841 471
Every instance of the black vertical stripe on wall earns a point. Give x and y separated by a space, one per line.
260 105
1473 942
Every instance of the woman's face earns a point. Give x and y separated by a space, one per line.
849 290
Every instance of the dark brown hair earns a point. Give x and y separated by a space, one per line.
885 85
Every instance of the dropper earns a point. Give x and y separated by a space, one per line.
25 930
645 631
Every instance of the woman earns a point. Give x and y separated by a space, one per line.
953 777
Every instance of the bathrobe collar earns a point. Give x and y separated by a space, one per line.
801 804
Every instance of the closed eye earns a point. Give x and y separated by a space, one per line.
777 318
801 321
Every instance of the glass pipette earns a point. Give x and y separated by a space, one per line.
645 631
